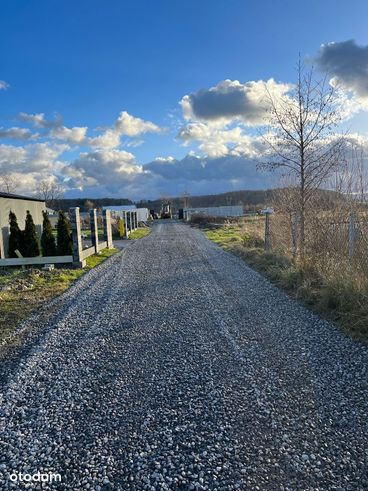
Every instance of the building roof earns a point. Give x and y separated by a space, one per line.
18 196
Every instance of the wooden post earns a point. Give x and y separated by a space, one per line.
267 236
94 229
74 218
136 220
106 214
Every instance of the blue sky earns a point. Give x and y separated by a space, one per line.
88 61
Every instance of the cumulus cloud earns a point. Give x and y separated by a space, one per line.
75 135
107 167
231 100
4 85
108 140
215 141
207 174
117 173
39 120
347 63
33 158
126 124
16 133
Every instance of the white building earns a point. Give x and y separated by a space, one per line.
214 211
142 213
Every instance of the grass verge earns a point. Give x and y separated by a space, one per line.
24 291
340 299
139 233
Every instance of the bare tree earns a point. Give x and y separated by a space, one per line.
350 180
8 184
301 138
49 191
89 205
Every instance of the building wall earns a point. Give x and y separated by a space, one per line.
142 213
19 207
215 211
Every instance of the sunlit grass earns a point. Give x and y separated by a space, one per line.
42 286
139 233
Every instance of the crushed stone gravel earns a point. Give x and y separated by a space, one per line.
174 366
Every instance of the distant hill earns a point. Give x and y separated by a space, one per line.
86 204
249 199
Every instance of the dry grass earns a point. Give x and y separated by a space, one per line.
340 296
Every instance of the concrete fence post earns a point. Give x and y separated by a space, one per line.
126 231
267 234
2 248
94 229
74 217
106 215
352 235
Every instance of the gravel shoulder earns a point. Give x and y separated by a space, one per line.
174 366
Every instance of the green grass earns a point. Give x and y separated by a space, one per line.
225 236
139 233
341 300
41 286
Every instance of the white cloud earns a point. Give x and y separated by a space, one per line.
168 159
108 140
75 135
4 85
106 167
16 133
38 157
126 124
37 119
216 141
231 101
134 143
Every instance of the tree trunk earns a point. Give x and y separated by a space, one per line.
302 207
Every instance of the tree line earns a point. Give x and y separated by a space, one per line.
29 244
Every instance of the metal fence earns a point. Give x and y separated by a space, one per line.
336 242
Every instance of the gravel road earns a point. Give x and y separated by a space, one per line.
174 366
